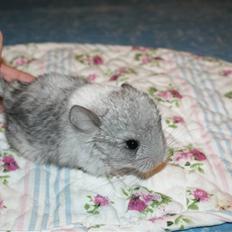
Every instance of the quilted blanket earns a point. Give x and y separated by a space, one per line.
194 95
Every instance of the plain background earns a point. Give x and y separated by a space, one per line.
202 27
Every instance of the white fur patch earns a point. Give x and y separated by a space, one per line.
91 95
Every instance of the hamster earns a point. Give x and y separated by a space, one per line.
102 129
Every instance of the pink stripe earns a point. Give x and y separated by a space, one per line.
216 164
23 201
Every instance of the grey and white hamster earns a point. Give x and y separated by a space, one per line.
100 128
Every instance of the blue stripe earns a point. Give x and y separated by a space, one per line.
216 96
52 61
214 102
57 193
190 77
35 207
67 195
47 200
215 139
68 200
207 114
227 124
68 205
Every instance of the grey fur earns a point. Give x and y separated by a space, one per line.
43 126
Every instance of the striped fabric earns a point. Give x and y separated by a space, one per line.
194 95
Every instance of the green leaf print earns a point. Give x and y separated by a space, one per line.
169 223
180 221
152 90
228 95
193 206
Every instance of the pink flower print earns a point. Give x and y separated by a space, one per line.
175 93
198 155
200 195
100 200
9 163
136 204
95 203
165 94
227 72
97 60
114 77
183 155
92 77
177 119
151 197
194 153
118 73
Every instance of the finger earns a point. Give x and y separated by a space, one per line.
11 74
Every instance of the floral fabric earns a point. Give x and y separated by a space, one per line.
195 188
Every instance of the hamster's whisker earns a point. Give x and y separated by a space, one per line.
145 165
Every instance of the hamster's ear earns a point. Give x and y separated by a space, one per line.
83 119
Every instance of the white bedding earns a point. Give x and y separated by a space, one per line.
194 95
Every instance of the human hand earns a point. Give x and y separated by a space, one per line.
10 73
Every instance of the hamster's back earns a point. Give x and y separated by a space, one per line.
34 114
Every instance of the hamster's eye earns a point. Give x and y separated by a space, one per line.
132 144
